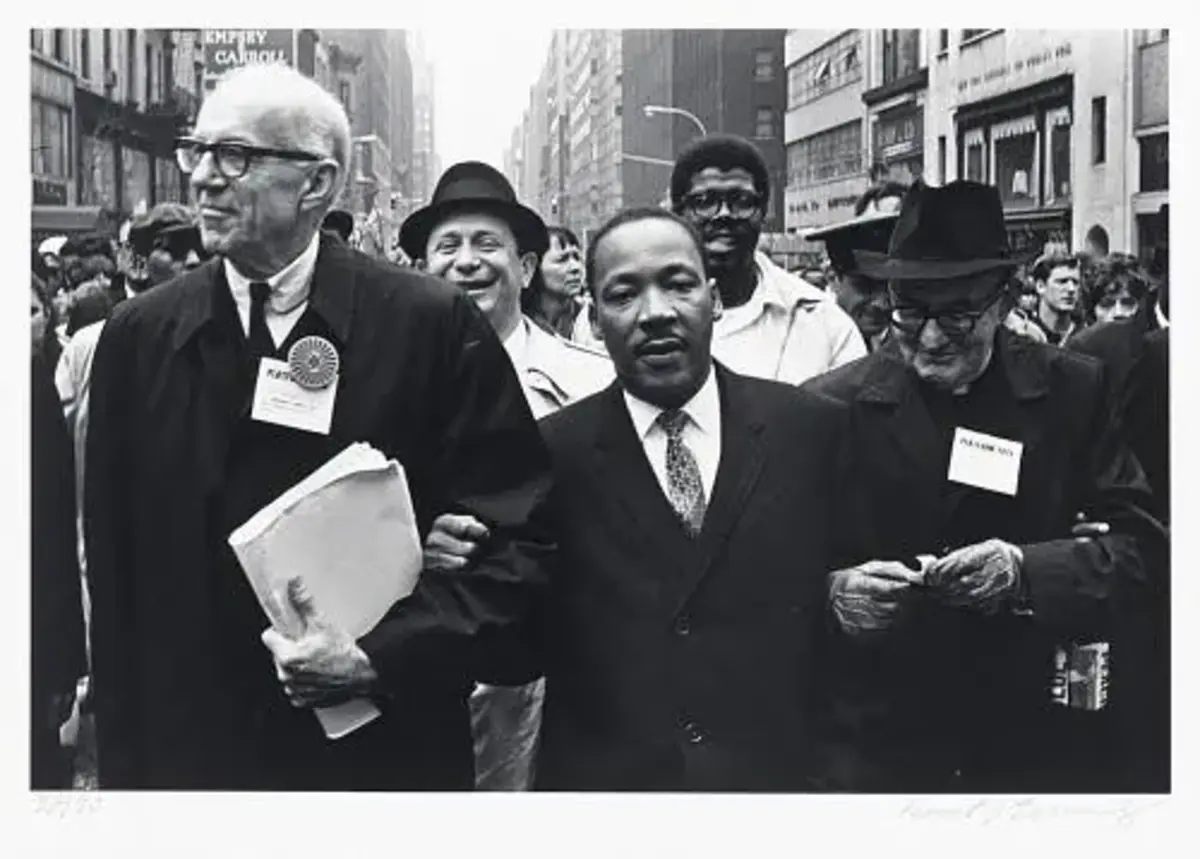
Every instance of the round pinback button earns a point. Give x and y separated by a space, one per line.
313 362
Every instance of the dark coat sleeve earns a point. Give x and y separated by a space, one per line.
1077 586
492 464
1145 416
58 649
108 533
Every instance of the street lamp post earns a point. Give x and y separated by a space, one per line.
652 110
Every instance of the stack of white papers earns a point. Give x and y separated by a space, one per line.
349 534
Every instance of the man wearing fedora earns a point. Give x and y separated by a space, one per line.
184 446
864 299
476 235
989 669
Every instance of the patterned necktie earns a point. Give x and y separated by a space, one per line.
685 488
259 337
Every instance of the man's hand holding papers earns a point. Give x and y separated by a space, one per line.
323 666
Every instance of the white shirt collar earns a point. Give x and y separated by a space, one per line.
704 409
517 343
289 287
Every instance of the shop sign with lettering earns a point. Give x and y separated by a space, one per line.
227 49
985 71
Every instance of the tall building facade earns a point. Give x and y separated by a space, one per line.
732 81
1046 116
425 167
897 75
1149 166
106 107
825 128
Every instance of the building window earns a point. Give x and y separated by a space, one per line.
900 55
106 40
1015 160
1058 158
942 158
149 71
198 78
764 65
60 45
130 64
832 66
943 41
764 125
344 93
85 54
50 136
973 149
35 41
829 155
1099 129
1154 163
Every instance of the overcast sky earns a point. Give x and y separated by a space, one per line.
481 87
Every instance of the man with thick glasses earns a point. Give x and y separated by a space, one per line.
978 626
774 325
184 446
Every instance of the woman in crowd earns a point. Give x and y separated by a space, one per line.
1119 289
553 299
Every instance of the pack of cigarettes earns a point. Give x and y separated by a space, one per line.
1081 676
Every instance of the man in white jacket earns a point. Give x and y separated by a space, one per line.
775 325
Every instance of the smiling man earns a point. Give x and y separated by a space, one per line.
682 634
184 447
476 235
776 325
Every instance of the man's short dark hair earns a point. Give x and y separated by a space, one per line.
633 216
725 152
566 237
90 244
1047 263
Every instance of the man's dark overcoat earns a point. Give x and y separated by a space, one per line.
675 664
954 700
186 694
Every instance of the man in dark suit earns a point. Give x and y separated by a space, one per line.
974 451
696 513
182 449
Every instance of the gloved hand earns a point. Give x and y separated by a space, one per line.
983 576
868 598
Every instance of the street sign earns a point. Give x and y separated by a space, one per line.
228 49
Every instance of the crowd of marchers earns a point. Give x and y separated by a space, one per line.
690 521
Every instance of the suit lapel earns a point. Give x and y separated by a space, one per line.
638 499
742 459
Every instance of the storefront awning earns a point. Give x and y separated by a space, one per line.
1014 127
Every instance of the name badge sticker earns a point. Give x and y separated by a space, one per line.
279 400
985 461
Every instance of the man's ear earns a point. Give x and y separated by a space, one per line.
321 184
718 307
529 266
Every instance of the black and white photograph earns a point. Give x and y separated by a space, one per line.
780 413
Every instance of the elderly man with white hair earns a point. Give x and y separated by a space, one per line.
185 445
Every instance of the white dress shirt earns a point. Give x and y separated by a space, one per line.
289 292
701 434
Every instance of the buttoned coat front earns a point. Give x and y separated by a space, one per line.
678 664
952 699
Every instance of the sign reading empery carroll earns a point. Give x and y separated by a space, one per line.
228 49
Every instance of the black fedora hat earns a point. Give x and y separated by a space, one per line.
474 186
942 233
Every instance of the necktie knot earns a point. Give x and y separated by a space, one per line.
673 422
260 291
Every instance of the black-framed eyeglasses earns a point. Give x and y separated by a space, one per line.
233 159
910 319
706 204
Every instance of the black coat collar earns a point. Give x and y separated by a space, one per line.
1026 366
332 295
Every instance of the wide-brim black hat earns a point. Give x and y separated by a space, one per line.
943 233
870 230
474 186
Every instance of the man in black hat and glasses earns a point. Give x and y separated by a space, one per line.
187 695
977 629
